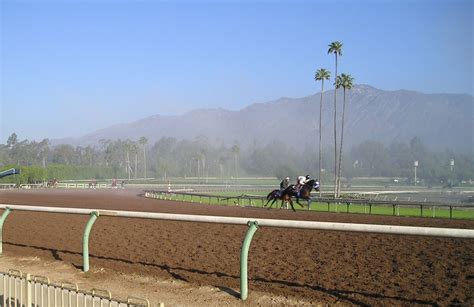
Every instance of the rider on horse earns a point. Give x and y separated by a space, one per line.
301 181
284 183
304 192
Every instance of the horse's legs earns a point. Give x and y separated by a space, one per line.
298 202
292 207
273 202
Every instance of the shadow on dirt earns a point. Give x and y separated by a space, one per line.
342 295
229 291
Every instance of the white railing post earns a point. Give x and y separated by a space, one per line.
28 289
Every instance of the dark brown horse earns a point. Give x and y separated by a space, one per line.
275 195
287 194
52 183
303 193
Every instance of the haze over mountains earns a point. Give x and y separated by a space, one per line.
441 121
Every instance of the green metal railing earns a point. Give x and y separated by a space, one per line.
2 220
348 205
85 239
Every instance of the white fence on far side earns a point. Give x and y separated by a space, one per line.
20 289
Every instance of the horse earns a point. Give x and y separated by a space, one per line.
92 184
303 193
52 183
273 196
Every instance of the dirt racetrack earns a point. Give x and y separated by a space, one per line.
319 266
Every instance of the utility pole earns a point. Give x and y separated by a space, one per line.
451 164
415 164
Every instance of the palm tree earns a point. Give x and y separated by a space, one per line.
143 141
235 151
43 150
203 156
336 48
345 81
134 149
321 75
128 147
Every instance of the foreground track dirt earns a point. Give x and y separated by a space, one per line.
318 266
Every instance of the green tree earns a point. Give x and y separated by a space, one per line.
134 149
127 146
90 155
345 81
336 48
371 156
64 154
12 140
143 141
202 154
321 75
43 151
235 151
222 161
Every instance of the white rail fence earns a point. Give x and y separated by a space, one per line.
253 225
351 227
7 186
25 290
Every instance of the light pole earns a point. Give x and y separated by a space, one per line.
451 164
415 164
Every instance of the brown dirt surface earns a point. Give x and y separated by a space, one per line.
296 266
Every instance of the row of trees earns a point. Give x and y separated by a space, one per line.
170 157
344 81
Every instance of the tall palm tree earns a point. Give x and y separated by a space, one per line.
127 145
134 149
345 81
336 48
43 150
143 141
235 151
321 75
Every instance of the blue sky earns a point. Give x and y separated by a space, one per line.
71 67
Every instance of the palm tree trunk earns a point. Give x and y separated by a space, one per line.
199 170
136 163
235 166
340 149
144 162
128 164
335 135
320 131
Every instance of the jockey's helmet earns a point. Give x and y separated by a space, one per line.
287 178
307 177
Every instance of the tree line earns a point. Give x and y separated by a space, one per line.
199 158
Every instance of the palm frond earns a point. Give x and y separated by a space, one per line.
335 47
345 81
322 74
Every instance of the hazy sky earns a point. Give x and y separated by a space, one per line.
71 67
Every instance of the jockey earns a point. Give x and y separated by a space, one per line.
284 183
301 181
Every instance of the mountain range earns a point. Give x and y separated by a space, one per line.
441 121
